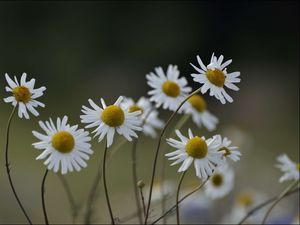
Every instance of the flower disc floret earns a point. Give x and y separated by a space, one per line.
216 77
197 103
217 180
135 108
171 89
196 147
22 94
63 142
113 116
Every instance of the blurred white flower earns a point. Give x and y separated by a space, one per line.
214 77
288 167
220 183
24 95
196 106
110 119
204 153
64 145
231 152
149 114
168 90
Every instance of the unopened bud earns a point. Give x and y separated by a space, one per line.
141 184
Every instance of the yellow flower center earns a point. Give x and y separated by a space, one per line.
22 94
298 166
63 142
113 116
198 103
135 108
196 147
216 77
171 89
217 179
226 153
245 199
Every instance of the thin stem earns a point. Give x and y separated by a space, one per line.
179 125
8 166
43 197
93 191
135 180
279 198
105 186
181 200
92 194
177 197
251 212
70 197
157 151
143 201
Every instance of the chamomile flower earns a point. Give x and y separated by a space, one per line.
66 147
168 89
220 183
149 115
288 167
228 151
214 77
110 119
204 153
24 95
196 106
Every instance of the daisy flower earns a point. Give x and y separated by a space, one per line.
168 90
66 146
24 95
204 153
214 77
220 183
231 152
196 106
288 167
110 119
149 115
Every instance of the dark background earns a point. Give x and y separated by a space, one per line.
82 50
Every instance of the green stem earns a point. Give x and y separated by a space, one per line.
178 126
43 197
157 151
105 186
135 180
279 198
70 197
8 166
177 198
251 212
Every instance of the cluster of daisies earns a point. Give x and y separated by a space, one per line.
66 147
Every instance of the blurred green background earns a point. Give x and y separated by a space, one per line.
82 50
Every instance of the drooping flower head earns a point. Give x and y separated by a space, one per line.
214 77
24 95
204 153
197 107
220 182
149 116
228 151
290 169
110 119
168 89
66 147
